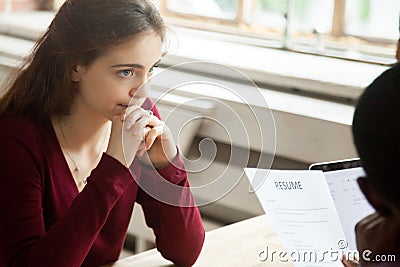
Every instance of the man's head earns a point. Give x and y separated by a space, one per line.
376 131
398 46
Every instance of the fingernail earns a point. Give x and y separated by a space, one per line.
135 131
128 125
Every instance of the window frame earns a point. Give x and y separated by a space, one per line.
238 26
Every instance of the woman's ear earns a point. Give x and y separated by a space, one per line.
77 73
378 202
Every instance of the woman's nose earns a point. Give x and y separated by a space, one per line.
141 90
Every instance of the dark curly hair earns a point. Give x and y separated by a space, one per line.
376 132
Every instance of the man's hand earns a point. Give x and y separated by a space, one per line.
378 234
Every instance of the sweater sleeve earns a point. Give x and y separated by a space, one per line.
178 228
24 240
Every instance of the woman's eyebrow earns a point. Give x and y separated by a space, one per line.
136 66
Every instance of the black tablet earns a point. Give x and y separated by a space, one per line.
337 165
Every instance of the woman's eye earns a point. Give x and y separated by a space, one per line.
125 73
152 70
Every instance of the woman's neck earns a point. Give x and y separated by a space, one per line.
83 129
83 136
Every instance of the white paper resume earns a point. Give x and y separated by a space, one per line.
301 209
351 205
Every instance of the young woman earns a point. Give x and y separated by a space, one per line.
67 184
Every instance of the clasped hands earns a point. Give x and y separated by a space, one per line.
136 131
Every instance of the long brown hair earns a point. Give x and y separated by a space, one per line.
81 31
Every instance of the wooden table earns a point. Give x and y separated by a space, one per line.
237 244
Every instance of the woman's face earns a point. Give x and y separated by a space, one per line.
114 80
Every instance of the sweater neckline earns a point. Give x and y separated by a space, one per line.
57 144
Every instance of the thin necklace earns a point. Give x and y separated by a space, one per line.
66 149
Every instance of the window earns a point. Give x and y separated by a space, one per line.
19 5
364 30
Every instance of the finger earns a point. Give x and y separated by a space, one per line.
134 116
375 223
361 225
368 219
154 121
130 115
131 109
152 136
349 263
146 131
138 128
145 134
